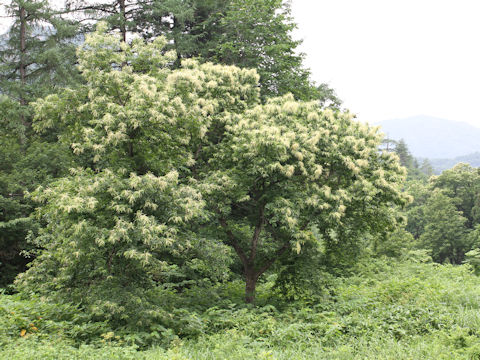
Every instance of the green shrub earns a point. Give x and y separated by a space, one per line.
388 310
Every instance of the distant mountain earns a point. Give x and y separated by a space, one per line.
443 164
433 138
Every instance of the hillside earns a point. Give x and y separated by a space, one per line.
434 138
443 164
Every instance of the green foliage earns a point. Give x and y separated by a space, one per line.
304 276
33 349
122 111
113 234
170 145
20 171
426 168
462 184
396 244
445 230
250 34
180 165
443 216
286 167
36 58
415 171
387 310
415 210
41 320
401 149
440 165
473 258
118 14
257 34
474 237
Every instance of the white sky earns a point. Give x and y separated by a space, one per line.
395 58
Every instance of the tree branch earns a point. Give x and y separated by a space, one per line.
91 7
195 157
256 234
233 242
277 254
304 226
270 262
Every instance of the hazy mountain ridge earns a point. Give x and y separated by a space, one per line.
434 138
443 164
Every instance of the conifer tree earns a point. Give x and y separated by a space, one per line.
118 14
37 57
255 34
426 168
406 159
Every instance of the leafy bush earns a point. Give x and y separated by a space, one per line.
37 319
388 309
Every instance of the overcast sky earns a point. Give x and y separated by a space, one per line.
396 58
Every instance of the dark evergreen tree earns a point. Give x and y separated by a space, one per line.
119 14
388 144
257 34
37 57
406 159
247 33
426 168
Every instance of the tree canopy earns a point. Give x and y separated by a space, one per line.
38 58
253 34
175 156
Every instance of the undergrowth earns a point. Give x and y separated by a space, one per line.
387 310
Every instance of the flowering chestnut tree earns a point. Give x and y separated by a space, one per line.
122 223
175 156
287 167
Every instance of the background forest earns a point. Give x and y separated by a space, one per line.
174 185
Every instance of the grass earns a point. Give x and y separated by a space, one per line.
388 310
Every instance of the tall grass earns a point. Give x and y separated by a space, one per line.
388 310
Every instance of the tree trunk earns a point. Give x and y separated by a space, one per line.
22 68
252 272
123 24
176 31
250 284
22 45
